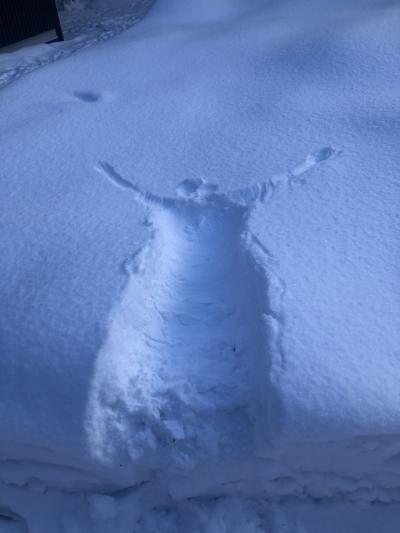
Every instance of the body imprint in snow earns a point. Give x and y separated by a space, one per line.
184 372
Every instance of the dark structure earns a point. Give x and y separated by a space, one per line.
27 19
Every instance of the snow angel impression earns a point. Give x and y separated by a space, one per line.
184 370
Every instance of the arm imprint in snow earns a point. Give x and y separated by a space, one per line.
144 198
199 191
264 190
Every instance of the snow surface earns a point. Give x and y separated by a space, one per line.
83 24
241 346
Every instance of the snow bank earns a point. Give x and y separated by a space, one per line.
210 365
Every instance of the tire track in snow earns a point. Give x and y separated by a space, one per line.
183 377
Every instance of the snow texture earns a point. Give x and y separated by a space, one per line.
83 24
225 357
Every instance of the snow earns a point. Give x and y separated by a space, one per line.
197 338
83 24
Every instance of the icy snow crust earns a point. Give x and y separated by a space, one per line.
229 349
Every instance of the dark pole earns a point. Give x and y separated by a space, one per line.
59 32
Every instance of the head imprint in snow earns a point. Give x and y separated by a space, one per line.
195 189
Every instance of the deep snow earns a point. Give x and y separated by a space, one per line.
231 355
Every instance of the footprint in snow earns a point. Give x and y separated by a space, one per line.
87 96
183 373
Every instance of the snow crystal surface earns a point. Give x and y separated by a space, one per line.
199 292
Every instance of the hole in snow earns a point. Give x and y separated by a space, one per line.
87 96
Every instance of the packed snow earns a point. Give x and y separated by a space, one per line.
199 292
